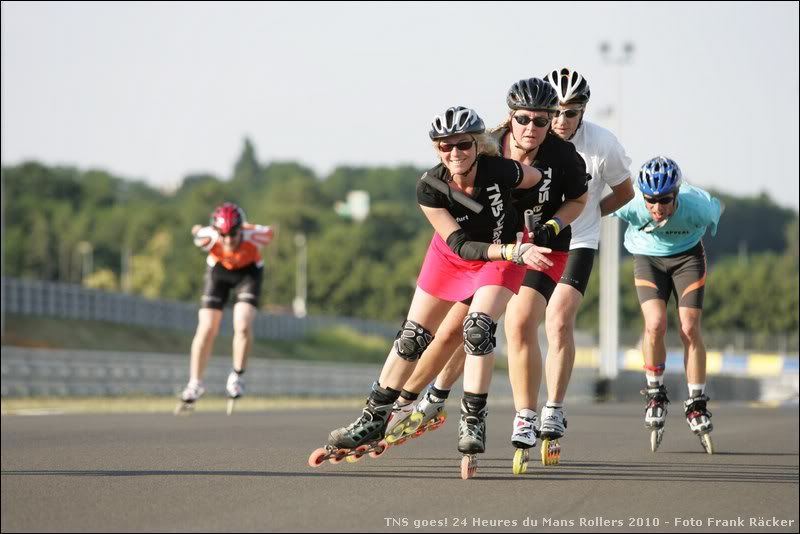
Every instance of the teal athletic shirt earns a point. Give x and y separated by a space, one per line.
697 210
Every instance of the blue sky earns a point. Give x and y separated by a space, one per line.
156 91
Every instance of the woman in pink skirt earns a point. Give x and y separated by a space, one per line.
475 255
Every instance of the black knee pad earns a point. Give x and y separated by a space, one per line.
412 340
479 329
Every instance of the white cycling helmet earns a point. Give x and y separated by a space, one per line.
572 88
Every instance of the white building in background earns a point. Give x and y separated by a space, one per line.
356 206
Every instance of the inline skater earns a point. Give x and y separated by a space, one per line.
666 223
234 264
473 255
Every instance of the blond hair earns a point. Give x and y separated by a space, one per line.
485 144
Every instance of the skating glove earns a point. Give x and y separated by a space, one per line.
545 234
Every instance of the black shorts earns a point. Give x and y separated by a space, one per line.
246 283
683 275
579 268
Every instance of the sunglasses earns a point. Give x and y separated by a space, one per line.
539 122
660 200
462 146
568 113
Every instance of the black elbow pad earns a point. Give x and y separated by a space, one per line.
467 250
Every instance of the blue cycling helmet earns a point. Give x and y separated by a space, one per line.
659 176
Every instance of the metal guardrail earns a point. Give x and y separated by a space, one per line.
70 301
43 372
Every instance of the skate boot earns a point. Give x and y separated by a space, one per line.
400 425
362 436
430 413
551 430
699 420
190 394
655 413
234 388
471 436
523 437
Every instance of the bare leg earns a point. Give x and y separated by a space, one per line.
452 370
208 320
426 310
243 315
560 325
491 300
525 313
695 349
655 328
449 339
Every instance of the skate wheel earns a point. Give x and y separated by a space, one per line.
317 457
393 439
356 455
231 404
379 449
520 465
439 421
338 456
551 451
183 408
656 435
469 465
708 445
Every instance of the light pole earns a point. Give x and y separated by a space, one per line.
86 250
609 248
299 303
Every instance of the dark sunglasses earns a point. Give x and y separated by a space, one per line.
568 113
539 122
462 146
660 200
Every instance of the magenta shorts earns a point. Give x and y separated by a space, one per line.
447 276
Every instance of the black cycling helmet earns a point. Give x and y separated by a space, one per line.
571 87
532 94
456 120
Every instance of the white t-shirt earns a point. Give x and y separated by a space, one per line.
607 163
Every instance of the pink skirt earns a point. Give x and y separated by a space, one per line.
447 276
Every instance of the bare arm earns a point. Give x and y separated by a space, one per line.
530 176
620 195
571 209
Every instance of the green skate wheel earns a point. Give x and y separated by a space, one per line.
708 445
656 435
520 465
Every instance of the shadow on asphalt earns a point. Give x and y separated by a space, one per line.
494 469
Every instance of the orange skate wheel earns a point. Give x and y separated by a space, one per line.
469 465
338 456
317 457
379 449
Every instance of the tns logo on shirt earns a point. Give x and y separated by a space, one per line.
462 219
544 189
497 210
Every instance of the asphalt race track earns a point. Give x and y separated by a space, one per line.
248 472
